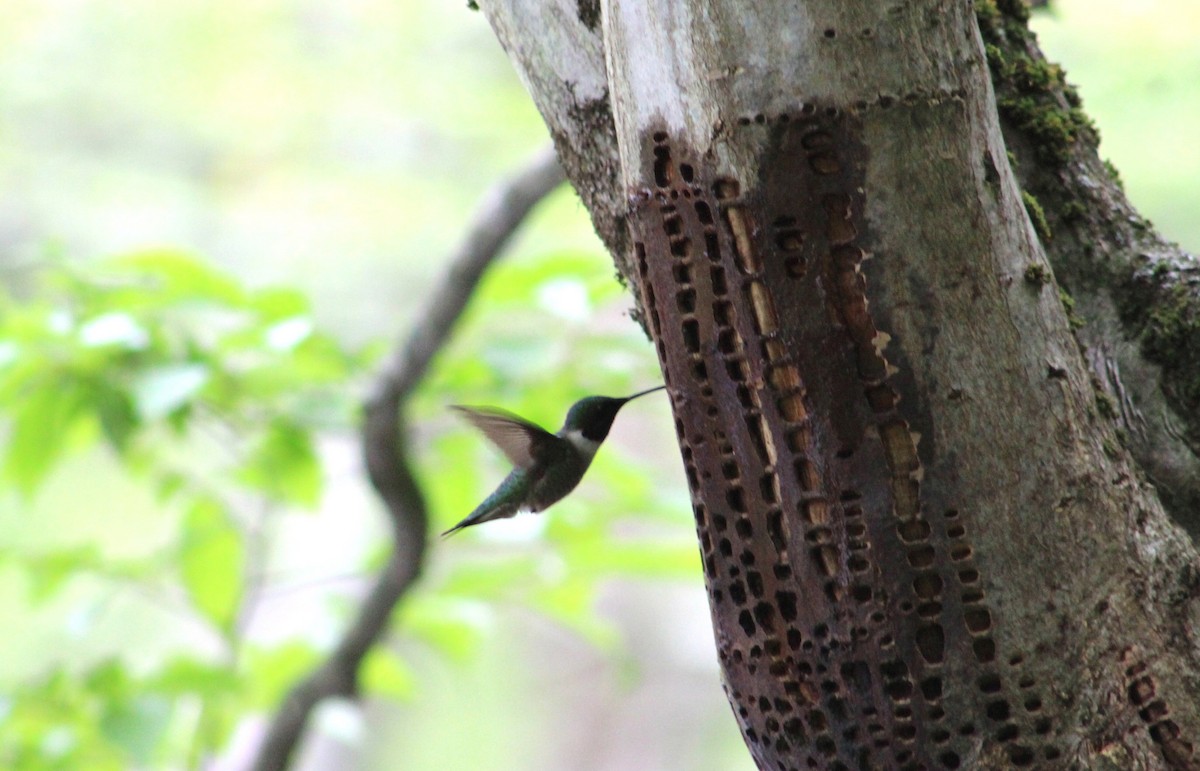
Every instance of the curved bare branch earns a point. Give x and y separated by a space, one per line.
385 451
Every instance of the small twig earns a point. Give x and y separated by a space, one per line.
384 446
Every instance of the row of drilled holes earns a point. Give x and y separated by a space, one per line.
928 589
978 620
784 377
762 615
886 101
897 680
731 348
789 241
1143 695
914 532
814 509
685 301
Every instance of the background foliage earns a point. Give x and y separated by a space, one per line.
214 217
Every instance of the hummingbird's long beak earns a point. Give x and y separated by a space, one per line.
643 393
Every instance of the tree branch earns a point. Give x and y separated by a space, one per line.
1136 296
385 451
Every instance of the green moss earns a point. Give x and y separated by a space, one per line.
995 58
1074 320
1033 76
1073 211
1172 338
1161 271
1002 19
1032 93
1037 215
1037 274
1052 130
1110 448
1016 10
1161 299
1113 174
1084 122
988 17
1106 405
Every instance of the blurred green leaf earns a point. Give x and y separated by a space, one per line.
386 674
159 391
272 671
114 328
454 626
50 722
486 578
184 675
528 282
572 602
277 303
641 558
285 335
169 276
115 410
211 562
9 351
41 422
136 725
49 571
284 465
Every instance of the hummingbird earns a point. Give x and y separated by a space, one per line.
547 466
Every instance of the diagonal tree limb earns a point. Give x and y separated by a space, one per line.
385 450
1136 296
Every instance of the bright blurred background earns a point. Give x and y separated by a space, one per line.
214 217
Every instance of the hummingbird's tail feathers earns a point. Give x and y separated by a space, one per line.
484 513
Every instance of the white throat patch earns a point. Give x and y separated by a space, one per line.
585 446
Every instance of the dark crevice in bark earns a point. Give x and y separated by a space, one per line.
589 14
1137 295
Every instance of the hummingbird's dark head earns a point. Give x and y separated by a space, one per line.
594 415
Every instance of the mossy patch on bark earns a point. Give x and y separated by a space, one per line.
1031 93
1074 320
1037 215
1037 275
1170 338
1162 304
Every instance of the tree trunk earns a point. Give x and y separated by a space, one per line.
925 543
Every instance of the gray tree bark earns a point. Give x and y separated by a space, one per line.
926 541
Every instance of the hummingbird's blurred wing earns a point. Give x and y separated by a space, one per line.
520 441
